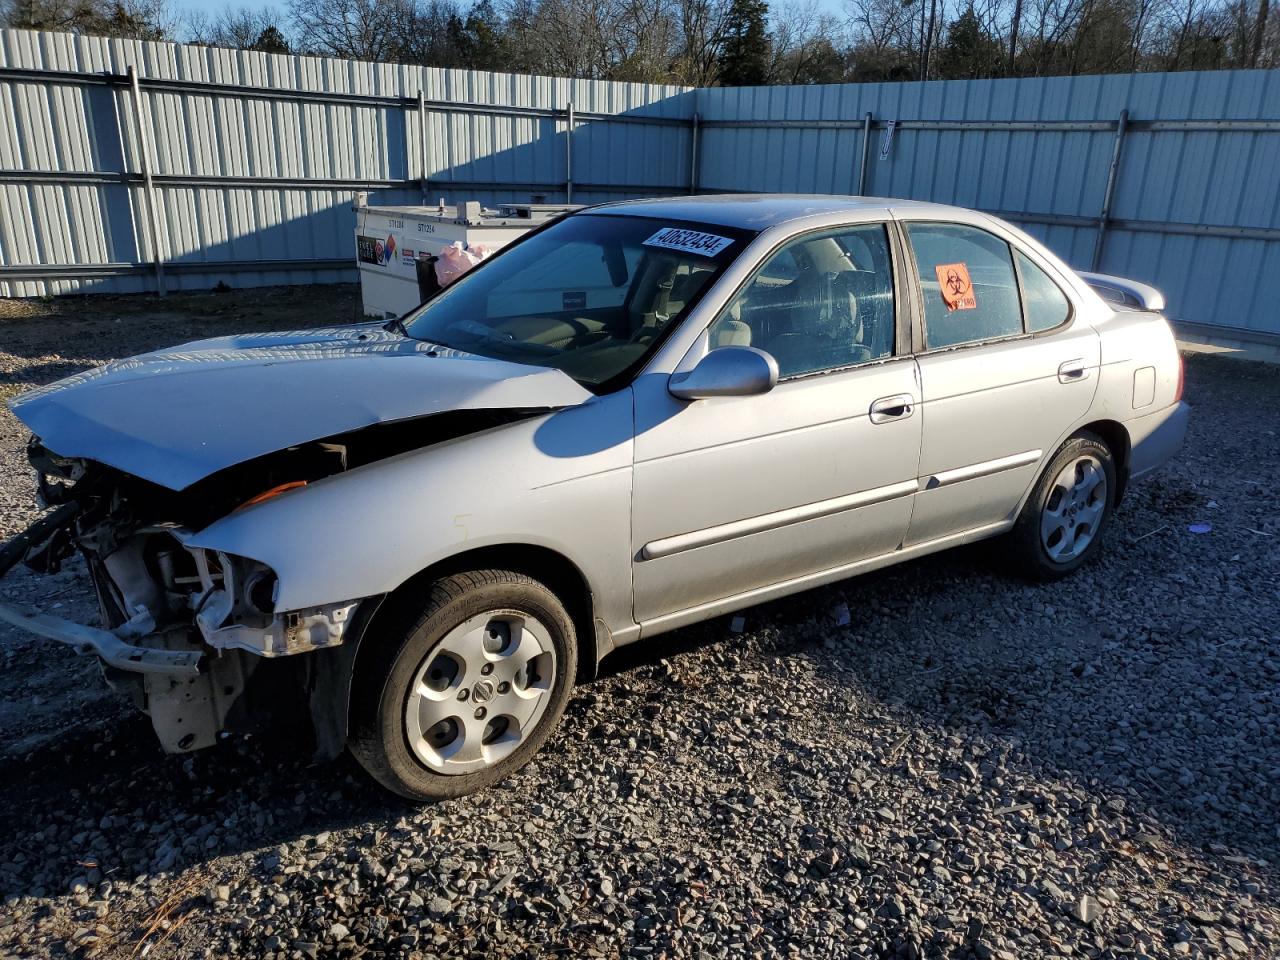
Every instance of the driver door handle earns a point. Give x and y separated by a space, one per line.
897 407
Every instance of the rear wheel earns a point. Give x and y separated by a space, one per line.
462 691
1061 526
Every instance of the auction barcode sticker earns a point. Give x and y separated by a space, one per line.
688 241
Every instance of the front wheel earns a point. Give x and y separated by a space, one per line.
463 690
1061 525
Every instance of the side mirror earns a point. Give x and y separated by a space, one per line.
727 372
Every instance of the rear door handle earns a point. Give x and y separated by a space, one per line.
897 407
1073 370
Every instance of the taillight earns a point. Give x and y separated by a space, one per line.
1182 376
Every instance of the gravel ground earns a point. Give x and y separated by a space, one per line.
972 767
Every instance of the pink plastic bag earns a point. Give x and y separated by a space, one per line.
455 260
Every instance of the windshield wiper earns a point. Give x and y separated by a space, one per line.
396 325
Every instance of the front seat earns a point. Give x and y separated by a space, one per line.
729 332
805 343
872 314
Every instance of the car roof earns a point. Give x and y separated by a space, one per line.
758 211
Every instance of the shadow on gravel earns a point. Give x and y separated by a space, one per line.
248 795
1149 676
115 783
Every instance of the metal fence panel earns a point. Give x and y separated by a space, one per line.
1196 204
256 157
253 160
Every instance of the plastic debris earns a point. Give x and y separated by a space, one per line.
841 612
1087 909
738 624
455 260
1200 527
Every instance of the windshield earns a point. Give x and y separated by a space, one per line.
591 295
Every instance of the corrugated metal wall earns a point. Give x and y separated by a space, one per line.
255 158
1196 206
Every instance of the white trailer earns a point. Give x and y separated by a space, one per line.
396 247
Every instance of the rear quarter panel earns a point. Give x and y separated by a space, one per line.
1140 366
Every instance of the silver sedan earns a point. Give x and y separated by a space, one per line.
637 417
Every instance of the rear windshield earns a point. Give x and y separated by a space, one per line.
591 295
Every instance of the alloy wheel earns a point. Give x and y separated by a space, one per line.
1074 509
480 692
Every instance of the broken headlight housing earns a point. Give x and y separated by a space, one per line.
236 610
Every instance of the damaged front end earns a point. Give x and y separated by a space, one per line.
184 629
137 460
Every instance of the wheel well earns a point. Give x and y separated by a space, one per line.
1116 437
554 570
333 669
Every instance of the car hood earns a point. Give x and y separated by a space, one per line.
178 415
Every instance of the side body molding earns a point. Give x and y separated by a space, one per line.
772 521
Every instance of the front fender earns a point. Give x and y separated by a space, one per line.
561 481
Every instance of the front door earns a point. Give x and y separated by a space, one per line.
733 494
1005 372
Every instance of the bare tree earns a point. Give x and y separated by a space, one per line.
1014 23
358 29
644 38
1259 32
880 24
701 25
1054 22
693 41
928 36
1142 13
134 19
243 28
806 44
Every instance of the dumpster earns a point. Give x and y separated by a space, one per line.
396 247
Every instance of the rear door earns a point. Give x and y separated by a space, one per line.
1005 369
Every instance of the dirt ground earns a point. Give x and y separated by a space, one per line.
973 767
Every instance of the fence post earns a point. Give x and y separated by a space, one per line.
144 149
866 151
110 236
423 144
1113 174
695 125
568 153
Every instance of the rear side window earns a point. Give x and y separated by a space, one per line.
969 284
1047 306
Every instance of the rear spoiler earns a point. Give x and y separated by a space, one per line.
1126 293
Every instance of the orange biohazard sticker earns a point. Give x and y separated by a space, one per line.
956 287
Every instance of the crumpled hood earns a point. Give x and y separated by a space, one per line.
176 416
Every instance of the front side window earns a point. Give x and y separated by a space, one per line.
591 295
968 282
821 302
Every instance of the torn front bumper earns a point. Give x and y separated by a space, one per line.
114 650
198 632
112 646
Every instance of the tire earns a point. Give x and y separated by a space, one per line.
461 690
1061 527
